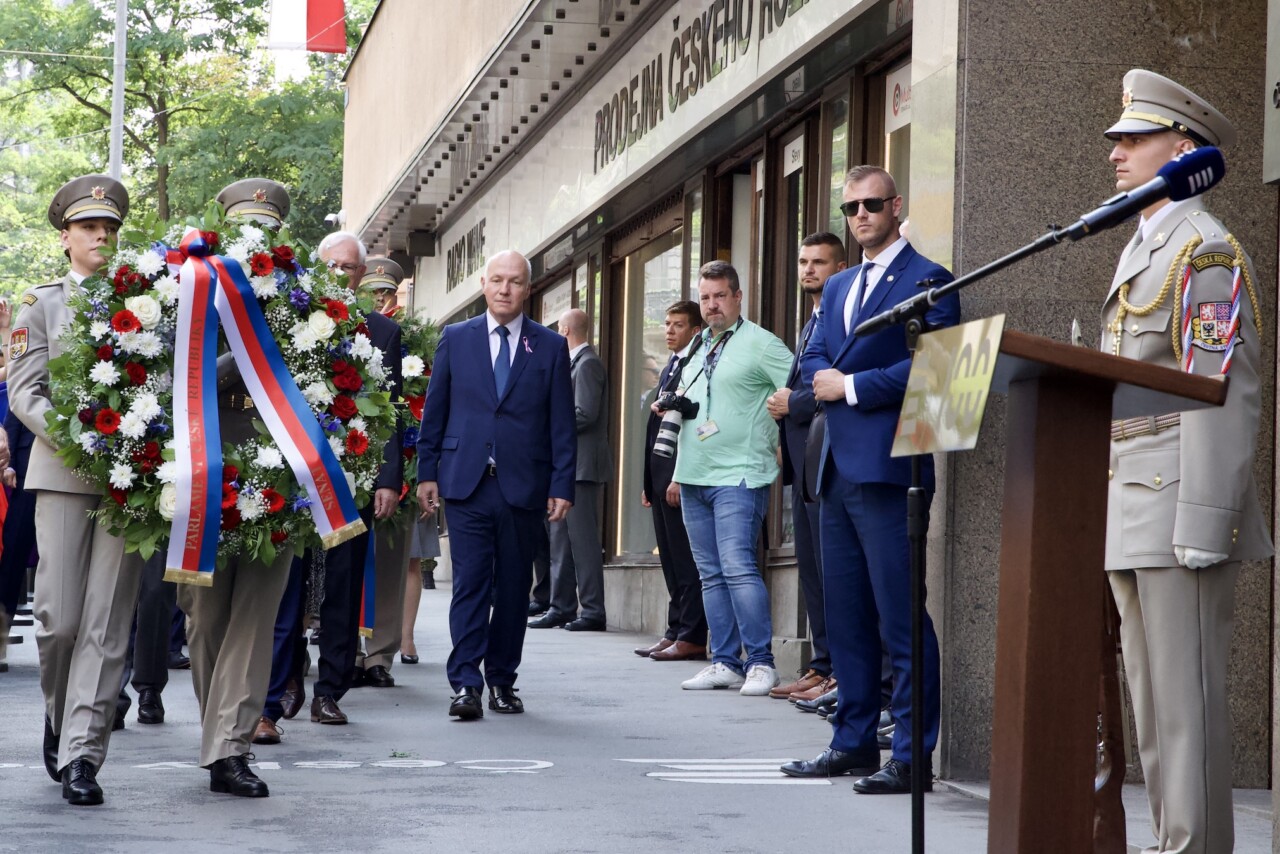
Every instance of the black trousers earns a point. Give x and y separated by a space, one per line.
147 663
686 619
340 612
541 592
19 540
804 518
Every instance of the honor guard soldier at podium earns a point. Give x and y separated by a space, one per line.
1182 510
86 585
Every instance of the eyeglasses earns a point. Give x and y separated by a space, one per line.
850 208
346 268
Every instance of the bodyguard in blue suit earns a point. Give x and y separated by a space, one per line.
499 443
866 567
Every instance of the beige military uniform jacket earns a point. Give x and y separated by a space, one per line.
1192 484
34 341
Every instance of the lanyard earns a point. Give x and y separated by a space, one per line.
713 358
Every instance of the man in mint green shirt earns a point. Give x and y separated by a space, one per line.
728 457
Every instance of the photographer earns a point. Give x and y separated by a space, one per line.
686 635
728 457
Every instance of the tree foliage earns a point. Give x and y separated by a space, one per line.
202 109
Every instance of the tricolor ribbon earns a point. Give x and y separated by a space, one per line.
1236 276
1188 335
219 284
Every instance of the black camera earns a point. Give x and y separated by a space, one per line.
669 401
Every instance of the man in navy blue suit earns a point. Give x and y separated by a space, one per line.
499 443
861 380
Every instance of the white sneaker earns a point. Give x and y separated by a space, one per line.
714 676
761 679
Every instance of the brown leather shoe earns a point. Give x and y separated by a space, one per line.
680 651
295 694
804 683
266 732
324 710
646 651
827 684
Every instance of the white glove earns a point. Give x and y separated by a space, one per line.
1197 558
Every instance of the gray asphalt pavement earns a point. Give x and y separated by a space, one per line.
610 756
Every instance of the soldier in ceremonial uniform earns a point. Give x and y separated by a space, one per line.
391 542
86 585
1183 508
232 622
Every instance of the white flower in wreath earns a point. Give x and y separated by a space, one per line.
264 287
250 506
413 366
146 309
145 344
104 373
251 234
359 423
338 448
238 251
167 472
87 440
133 426
145 406
318 394
166 290
167 504
99 329
304 339
122 476
322 325
269 458
150 263
361 346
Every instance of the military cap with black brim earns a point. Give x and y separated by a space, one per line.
1152 103
88 197
255 197
381 274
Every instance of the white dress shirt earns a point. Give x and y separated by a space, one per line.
573 354
873 270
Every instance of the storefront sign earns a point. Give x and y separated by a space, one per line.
793 156
704 46
897 99
465 255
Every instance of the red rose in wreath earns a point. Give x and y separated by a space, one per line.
343 407
275 501
357 443
283 257
108 421
348 380
119 496
105 352
229 473
278 537
137 373
210 238
230 519
125 321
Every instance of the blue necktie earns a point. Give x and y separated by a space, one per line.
502 367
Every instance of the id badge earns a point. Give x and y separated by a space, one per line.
706 430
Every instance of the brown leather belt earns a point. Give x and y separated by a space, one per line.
238 402
1131 428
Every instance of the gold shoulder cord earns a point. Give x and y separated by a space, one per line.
1126 308
1248 281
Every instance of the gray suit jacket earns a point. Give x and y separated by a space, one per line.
1191 485
43 319
590 404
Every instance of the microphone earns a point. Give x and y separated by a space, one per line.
1181 178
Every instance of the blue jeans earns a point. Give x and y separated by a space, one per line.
724 528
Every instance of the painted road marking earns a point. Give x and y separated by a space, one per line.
740 772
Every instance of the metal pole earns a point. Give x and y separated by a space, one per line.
116 159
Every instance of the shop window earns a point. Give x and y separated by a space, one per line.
836 138
555 301
652 278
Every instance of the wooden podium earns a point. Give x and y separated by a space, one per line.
1049 629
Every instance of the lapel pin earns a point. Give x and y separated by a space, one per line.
527 348
890 278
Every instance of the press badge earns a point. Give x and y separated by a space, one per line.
706 430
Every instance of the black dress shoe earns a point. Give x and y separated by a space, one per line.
178 661
379 677
324 710
830 698
359 677
536 608
835 763
428 579
466 706
503 700
150 707
893 779
231 776
117 723
549 620
826 710
408 659
293 698
80 785
51 752
582 624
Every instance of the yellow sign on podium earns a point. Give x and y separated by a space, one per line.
948 388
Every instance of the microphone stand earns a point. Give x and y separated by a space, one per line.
910 314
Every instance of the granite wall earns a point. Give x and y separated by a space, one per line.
1009 104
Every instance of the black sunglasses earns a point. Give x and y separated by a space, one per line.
850 208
